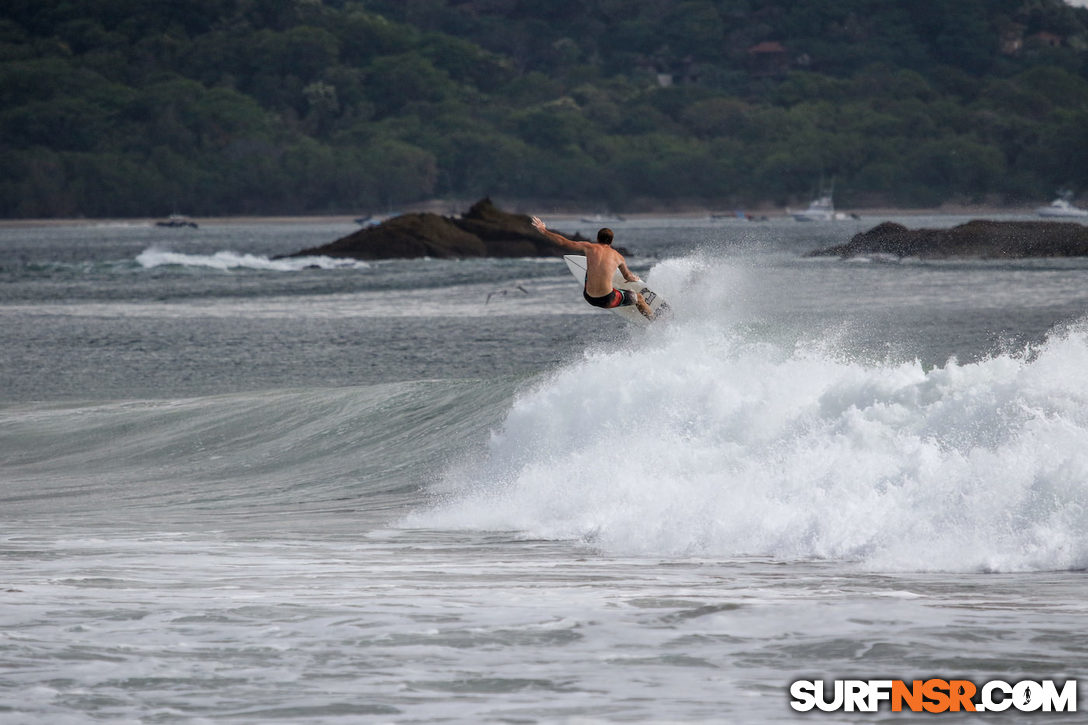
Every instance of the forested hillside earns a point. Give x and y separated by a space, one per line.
142 107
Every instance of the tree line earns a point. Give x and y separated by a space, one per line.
137 107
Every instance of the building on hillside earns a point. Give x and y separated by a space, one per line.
1044 39
1012 39
769 58
671 71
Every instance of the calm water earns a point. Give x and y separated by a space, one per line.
246 490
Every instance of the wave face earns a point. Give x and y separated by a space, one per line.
289 458
698 440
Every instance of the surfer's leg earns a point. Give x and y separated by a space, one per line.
643 307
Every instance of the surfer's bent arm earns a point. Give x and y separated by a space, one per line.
557 238
628 274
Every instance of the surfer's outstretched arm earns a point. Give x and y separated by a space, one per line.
628 274
556 238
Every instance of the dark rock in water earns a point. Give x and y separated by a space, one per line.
504 234
976 239
483 231
410 235
176 221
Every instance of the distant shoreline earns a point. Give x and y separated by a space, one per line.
544 210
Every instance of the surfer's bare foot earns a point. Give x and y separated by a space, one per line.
644 308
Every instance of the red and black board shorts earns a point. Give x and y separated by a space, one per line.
615 298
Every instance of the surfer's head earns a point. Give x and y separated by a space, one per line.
604 236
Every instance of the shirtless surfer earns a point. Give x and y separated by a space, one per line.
602 261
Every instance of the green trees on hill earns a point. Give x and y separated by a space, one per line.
137 107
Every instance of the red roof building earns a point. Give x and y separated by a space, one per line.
768 58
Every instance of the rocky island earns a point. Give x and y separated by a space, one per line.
483 231
978 239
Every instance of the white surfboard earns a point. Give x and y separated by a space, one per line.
576 263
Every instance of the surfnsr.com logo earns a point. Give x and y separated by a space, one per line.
934 695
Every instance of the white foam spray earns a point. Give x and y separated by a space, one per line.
702 442
227 260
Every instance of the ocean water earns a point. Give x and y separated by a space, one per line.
236 489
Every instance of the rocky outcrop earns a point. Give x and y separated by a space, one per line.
483 231
976 239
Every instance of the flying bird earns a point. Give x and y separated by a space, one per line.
505 291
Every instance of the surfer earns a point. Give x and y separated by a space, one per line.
602 261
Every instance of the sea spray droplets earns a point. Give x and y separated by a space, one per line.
702 443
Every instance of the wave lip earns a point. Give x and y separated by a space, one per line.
228 260
702 443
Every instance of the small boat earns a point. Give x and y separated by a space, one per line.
176 221
1062 208
740 216
820 209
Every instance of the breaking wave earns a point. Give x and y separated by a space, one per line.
699 441
227 260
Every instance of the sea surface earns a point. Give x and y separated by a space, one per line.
240 489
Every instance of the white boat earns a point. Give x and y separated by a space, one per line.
1062 208
821 209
